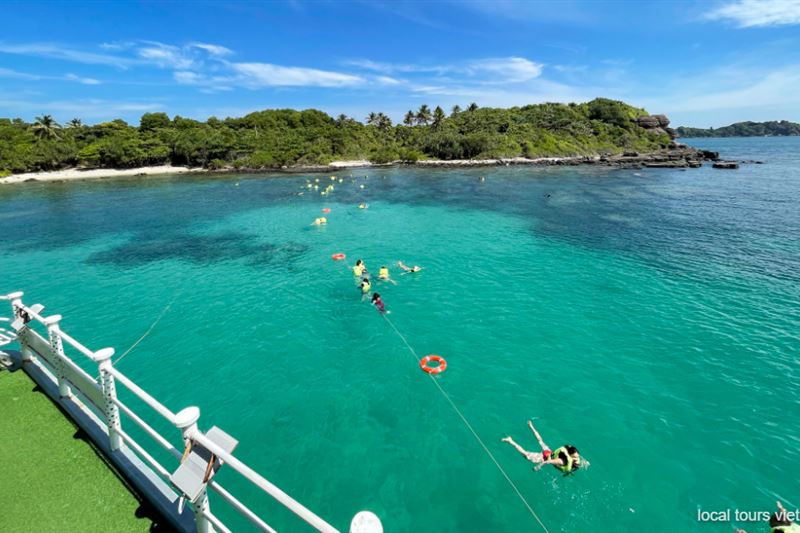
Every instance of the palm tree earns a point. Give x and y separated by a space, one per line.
423 115
372 119
409 118
75 123
383 122
341 120
456 110
438 116
46 127
472 107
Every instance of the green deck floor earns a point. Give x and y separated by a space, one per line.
51 477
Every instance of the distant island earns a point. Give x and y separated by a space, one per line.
285 138
773 128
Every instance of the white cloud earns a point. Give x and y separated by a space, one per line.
492 70
213 49
735 88
507 70
79 79
269 75
388 68
387 80
166 56
186 77
60 52
8 73
758 13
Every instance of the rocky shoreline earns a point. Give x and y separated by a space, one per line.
677 156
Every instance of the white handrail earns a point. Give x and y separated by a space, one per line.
146 398
148 429
185 420
75 344
136 446
257 479
242 508
216 521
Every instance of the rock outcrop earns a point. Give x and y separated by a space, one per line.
657 124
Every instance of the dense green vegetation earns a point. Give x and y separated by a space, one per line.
745 129
283 137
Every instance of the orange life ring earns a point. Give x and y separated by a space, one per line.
338 257
326 210
423 364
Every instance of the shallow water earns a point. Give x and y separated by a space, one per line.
649 317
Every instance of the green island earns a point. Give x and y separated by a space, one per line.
282 138
773 128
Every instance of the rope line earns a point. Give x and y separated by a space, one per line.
149 330
469 426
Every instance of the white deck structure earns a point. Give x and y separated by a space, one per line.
94 405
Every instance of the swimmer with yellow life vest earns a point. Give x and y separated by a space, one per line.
365 287
566 458
360 269
321 221
383 275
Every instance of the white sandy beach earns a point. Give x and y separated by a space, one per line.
78 174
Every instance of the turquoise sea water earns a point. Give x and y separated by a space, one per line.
649 317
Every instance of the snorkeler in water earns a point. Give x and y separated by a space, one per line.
383 274
378 303
321 221
407 269
365 287
360 269
566 458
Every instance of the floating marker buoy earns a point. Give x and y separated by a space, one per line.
326 210
338 257
423 364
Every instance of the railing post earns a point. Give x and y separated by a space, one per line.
57 349
186 421
22 338
103 358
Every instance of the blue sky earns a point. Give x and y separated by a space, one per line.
703 63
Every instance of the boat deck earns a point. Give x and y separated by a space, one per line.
52 478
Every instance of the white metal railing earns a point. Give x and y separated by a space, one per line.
71 378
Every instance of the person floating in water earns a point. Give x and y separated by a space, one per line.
359 269
565 458
779 522
407 269
365 286
383 274
363 205
321 221
378 303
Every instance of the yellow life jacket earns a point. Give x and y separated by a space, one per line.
358 270
365 287
383 273
570 466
